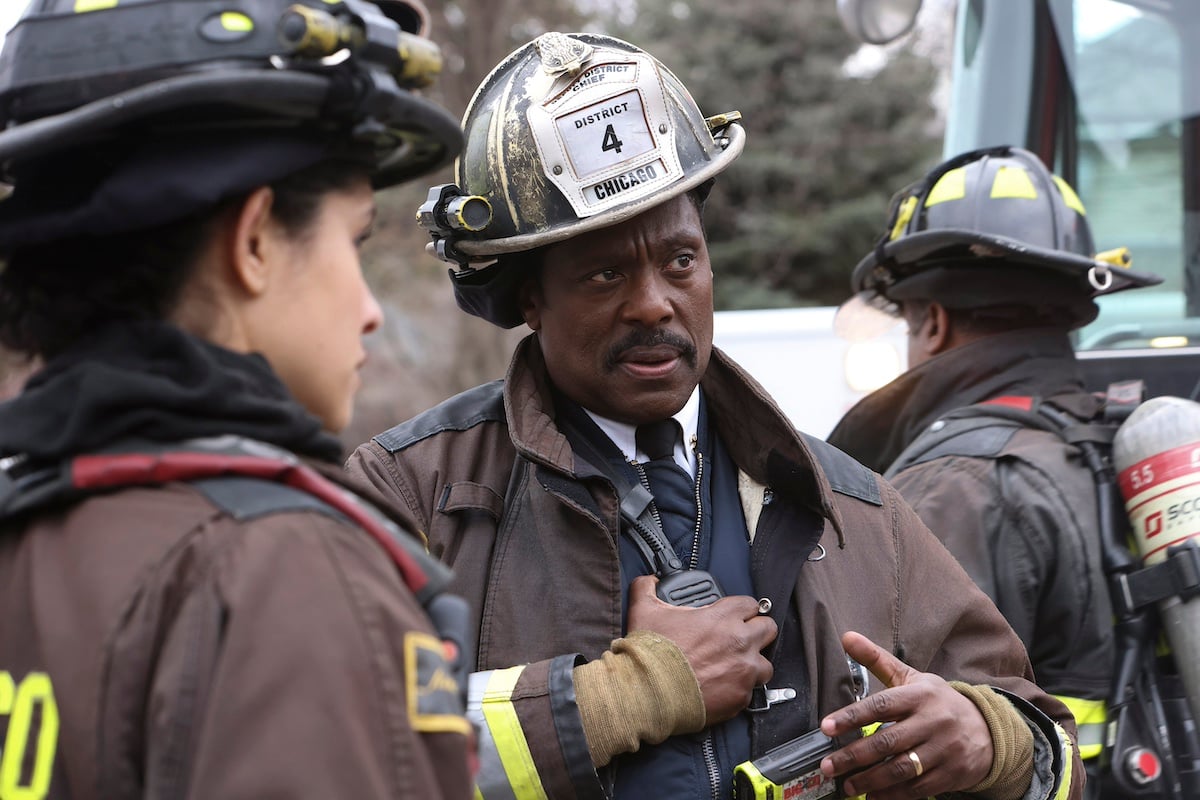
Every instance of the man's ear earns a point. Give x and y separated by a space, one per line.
530 302
254 240
938 334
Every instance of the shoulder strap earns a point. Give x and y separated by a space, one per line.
982 430
642 527
220 467
970 432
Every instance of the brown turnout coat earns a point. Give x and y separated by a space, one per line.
195 654
494 485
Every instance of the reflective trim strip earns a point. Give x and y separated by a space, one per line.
1068 761
491 782
1014 183
83 6
1069 197
904 215
236 22
1091 740
1090 716
951 186
507 738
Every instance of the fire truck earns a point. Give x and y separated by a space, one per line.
1107 92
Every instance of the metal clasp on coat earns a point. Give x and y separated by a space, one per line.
860 678
762 698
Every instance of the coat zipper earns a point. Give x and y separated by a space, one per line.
709 747
694 561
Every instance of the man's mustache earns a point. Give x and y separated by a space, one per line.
643 338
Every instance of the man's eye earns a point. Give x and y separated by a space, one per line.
604 276
683 261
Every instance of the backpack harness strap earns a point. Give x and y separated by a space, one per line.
215 466
25 488
98 472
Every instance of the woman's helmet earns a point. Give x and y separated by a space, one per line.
119 116
992 227
570 133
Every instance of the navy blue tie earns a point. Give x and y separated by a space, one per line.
672 487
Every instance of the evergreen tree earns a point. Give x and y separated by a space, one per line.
825 151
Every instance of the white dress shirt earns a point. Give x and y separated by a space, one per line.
624 435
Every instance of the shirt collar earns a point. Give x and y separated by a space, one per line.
623 435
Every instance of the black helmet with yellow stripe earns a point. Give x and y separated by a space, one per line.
120 114
992 227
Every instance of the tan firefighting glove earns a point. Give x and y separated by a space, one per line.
1012 764
642 690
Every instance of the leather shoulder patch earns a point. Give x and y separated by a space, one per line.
846 476
976 437
463 411
245 498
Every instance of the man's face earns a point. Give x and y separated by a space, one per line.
625 314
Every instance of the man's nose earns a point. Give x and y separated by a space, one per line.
649 303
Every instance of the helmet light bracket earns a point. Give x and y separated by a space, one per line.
446 213
362 28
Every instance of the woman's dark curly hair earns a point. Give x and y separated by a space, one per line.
53 294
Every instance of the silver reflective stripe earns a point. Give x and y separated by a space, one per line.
1091 735
492 781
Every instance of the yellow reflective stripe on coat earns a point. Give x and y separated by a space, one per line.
503 729
1068 755
1090 717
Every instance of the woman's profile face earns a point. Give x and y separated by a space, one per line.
323 307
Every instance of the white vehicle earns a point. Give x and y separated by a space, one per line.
793 352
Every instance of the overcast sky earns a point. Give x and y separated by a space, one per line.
9 11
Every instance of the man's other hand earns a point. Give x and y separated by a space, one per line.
937 733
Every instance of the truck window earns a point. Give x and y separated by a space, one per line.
1125 65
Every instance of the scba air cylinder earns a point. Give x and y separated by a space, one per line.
1157 456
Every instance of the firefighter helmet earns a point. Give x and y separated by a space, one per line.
104 86
991 227
570 133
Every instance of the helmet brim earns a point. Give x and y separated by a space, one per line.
417 135
207 137
916 252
